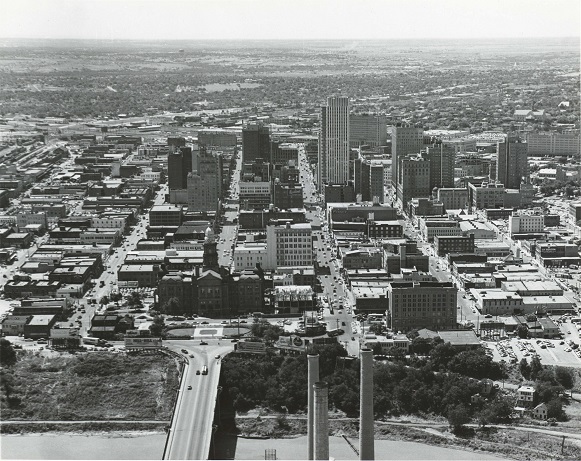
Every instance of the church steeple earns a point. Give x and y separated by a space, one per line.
210 251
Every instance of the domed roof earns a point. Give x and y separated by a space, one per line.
210 236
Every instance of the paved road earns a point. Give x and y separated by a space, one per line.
191 430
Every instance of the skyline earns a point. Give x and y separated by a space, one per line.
298 19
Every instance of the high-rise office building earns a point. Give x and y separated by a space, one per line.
334 142
442 163
542 144
413 179
405 140
512 162
368 130
376 183
369 180
179 164
205 183
255 143
422 305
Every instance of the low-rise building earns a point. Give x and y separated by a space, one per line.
432 227
526 224
13 325
525 396
498 302
39 326
146 275
384 229
453 198
362 258
250 254
454 244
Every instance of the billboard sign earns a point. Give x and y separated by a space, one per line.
143 343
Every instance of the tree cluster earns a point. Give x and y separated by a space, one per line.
550 384
431 387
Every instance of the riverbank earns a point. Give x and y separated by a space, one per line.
506 443
77 427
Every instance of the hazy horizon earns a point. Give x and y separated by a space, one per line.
289 19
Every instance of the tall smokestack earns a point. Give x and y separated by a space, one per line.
313 363
366 430
321 423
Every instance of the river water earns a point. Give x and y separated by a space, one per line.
115 445
129 446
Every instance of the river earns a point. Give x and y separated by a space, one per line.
115 445
125 445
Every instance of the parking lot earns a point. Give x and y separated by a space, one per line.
549 351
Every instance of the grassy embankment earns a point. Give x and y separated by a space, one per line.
88 387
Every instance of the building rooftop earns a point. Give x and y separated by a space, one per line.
460 337
41 320
165 208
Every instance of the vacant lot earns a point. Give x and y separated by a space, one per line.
95 386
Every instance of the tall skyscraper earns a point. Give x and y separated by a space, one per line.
334 142
512 162
405 140
255 142
179 165
205 183
442 162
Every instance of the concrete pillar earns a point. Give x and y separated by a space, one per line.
313 377
321 422
366 424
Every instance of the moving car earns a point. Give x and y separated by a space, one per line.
189 388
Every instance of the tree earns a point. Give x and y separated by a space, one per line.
396 353
104 300
171 306
421 346
134 300
157 326
524 368
458 416
116 296
565 377
536 367
555 410
376 328
7 353
522 331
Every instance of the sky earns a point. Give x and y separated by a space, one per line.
288 19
